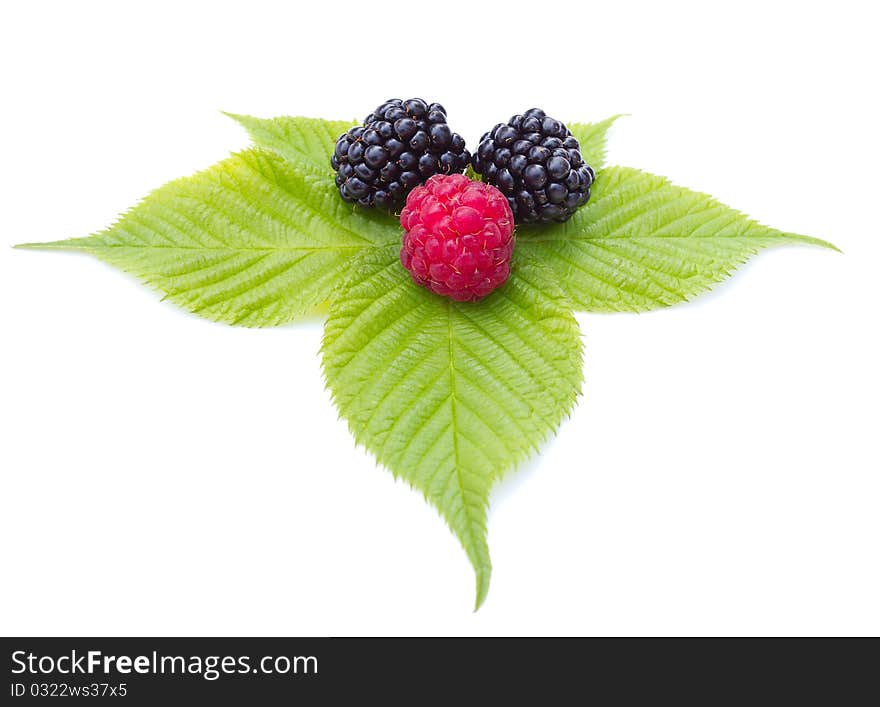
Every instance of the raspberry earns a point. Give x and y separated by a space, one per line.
458 237
536 161
400 145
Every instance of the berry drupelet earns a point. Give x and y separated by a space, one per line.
536 162
400 145
458 237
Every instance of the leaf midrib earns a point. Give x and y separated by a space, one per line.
228 249
712 236
453 416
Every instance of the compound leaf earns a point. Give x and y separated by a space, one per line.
446 395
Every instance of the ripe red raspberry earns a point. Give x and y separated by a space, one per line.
458 237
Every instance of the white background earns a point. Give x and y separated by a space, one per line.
162 474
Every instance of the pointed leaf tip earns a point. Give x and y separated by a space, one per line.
593 139
483 578
811 240
307 143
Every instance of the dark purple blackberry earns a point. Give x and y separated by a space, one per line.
537 164
400 145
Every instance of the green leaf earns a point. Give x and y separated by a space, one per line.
593 138
447 395
451 395
252 240
308 142
642 242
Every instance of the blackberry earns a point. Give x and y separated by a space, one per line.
400 146
537 164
